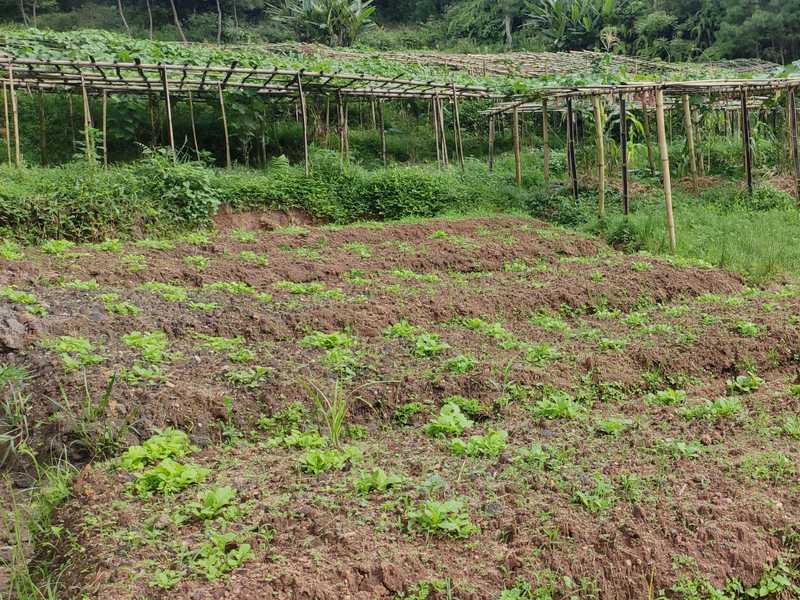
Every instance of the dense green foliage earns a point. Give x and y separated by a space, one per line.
152 196
669 29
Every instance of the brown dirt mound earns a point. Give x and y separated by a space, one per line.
523 310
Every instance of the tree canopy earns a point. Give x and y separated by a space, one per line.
673 30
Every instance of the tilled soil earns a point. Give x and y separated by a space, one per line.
526 312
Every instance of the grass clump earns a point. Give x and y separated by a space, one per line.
318 460
220 554
328 341
152 345
405 412
166 291
614 426
169 443
10 250
250 377
442 518
557 404
251 257
401 330
217 502
598 498
461 364
427 345
75 352
771 466
377 480
490 445
668 397
56 247
235 288
450 421
169 477
713 410
745 384
747 329
84 286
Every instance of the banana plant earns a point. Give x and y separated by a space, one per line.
336 22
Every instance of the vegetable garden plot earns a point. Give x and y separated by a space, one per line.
477 405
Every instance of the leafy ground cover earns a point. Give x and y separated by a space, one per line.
474 408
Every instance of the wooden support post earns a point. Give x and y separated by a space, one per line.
623 148
7 123
87 125
346 118
572 166
792 108
304 118
665 173
601 155
435 118
194 129
746 143
491 143
42 131
151 106
168 104
443 132
689 127
224 127
647 136
71 110
327 119
382 129
545 142
457 129
340 114
15 116
105 128
517 156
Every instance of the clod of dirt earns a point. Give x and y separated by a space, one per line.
13 333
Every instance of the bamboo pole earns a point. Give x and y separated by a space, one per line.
648 137
545 142
746 143
327 119
665 172
225 128
571 164
435 118
517 156
87 125
623 143
15 116
689 127
792 107
445 154
7 122
194 129
601 156
346 116
340 113
457 129
382 126
491 143
304 115
42 130
105 128
168 104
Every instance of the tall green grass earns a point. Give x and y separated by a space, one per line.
758 237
